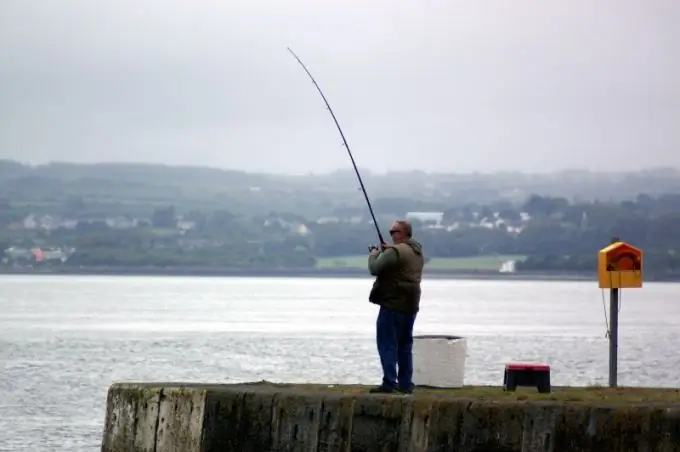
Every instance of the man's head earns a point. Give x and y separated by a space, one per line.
401 231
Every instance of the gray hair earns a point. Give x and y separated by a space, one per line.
406 227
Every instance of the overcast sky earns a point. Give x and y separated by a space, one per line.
434 85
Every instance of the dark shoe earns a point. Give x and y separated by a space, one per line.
405 391
382 390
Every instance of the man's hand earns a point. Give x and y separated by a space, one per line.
382 259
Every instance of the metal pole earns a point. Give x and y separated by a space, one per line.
613 336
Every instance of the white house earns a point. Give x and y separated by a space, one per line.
426 217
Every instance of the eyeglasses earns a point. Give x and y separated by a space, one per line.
394 231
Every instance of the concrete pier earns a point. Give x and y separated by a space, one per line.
260 417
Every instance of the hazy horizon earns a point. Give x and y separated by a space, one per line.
362 170
454 87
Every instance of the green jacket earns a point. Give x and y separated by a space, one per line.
398 271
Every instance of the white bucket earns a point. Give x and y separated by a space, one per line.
439 361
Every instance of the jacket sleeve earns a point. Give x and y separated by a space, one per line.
381 262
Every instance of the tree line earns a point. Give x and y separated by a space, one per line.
553 233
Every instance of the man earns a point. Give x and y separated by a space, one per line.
398 269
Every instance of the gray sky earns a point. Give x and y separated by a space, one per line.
433 85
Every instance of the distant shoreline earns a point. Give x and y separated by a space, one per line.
289 273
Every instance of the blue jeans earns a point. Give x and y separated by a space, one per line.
395 347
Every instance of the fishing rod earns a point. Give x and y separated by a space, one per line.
351 157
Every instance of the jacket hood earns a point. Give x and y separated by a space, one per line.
415 246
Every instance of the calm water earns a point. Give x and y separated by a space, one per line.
64 340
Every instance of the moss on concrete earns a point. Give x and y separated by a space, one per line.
266 416
591 394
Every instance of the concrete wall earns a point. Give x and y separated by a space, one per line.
260 417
